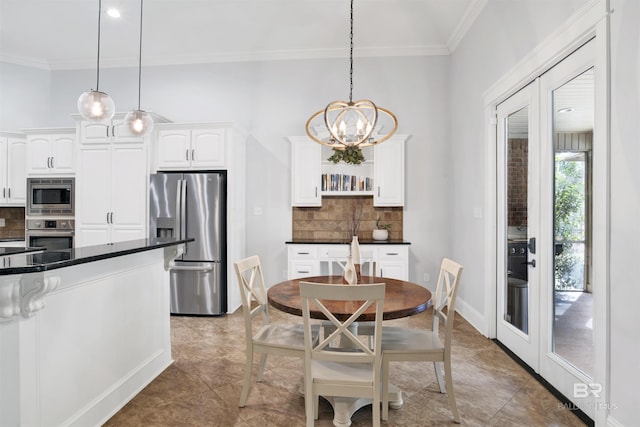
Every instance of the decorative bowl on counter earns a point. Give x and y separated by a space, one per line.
380 234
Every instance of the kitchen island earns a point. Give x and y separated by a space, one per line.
83 330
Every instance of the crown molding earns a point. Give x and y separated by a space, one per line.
469 17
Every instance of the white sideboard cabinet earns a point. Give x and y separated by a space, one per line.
306 260
381 175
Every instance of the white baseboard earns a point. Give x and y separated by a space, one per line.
471 315
612 422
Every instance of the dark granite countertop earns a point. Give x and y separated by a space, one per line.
4 250
51 260
346 242
11 239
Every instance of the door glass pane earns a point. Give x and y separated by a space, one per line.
573 106
517 300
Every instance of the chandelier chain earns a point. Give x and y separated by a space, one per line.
351 57
98 60
140 58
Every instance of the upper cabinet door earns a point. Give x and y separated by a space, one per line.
207 148
305 172
39 158
174 148
120 132
388 173
94 133
62 153
16 170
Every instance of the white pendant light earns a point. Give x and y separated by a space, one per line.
139 121
352 124
94 105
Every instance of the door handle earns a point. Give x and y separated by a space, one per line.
107 217
111 217
52 166
9 193
186 155
193 154
192 268
532 263
532 245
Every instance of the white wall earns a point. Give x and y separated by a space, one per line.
273 100
24 97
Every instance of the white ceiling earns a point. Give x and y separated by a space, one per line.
62 34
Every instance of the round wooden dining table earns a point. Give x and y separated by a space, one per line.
401 299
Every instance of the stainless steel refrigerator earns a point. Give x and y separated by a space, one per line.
193 205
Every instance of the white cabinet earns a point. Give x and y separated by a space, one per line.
388 172
305 172
380 175
192 147
305 260
13 161
51 151
102 133
111 193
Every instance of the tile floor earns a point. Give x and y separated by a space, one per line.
202 387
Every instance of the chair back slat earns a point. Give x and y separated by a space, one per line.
252 291
445 295
316 294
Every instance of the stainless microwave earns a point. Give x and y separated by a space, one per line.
50 197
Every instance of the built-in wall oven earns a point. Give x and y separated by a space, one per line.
50 222
51 234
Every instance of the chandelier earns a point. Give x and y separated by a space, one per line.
351 124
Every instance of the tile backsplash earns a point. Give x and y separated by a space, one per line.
13 223
333 220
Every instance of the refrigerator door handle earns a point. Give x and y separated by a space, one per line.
178 209
192 268
183 212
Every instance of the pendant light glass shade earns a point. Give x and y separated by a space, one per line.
352 124
139 122
94 105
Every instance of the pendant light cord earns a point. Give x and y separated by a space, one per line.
351 57
140 58
98 63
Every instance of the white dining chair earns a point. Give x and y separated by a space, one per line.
354 369
419 345
268 338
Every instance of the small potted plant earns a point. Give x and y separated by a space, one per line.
382 231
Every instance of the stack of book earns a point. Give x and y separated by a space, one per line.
341 182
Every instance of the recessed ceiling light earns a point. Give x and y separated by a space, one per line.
114 13
565 110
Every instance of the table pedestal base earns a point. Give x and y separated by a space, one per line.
345 407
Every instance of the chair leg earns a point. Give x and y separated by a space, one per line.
376 408
439 377
385 389
450 394
310 405
263 362
247 379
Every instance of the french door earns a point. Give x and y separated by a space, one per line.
545 210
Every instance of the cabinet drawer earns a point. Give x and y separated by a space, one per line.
393 253
299 269
303 252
